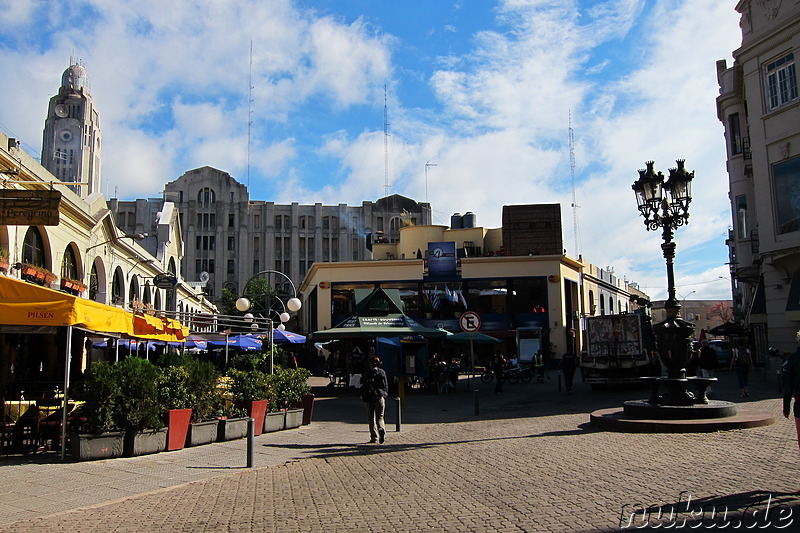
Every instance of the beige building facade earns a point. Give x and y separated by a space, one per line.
510 293
759 107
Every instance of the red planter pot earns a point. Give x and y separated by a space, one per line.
178 428
257 410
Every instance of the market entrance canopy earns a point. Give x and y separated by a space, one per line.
378 315
22 303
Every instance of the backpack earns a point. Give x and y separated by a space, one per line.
369 392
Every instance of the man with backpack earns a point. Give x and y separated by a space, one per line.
374 390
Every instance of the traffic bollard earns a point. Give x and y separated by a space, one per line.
397 403
477 406
251 441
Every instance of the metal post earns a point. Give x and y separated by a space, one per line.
477 404
251 441
398 406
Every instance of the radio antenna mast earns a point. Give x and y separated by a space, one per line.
249 111
575 206
385 144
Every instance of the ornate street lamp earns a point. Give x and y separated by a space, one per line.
263 304
665 205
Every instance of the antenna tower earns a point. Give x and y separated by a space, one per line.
385 144
575 206
249 111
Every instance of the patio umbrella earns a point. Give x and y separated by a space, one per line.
243 342
280 336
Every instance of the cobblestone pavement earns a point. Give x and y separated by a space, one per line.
528 462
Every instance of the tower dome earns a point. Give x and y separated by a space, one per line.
75 78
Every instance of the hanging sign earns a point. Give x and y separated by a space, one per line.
29 207
165 280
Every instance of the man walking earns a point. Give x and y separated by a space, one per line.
374 390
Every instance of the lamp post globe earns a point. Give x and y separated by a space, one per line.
294 304
242 304
281 327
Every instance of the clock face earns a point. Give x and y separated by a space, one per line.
65 136
61 110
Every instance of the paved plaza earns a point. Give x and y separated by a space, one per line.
528 462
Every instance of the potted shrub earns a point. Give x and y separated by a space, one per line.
250 391
97 430
232 423
206 401
288 388
176 400
140 410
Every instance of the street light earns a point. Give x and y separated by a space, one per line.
665 206
293 304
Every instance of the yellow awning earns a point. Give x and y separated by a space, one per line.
22 303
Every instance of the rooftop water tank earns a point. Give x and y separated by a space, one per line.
468 220
456 221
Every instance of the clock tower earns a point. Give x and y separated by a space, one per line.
71 140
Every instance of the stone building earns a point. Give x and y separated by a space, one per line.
231 237
759 107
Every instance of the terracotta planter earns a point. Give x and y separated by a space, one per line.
177 428
202 433
256 409
306 403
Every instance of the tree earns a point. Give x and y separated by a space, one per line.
722 311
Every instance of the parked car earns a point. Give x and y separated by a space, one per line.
724 352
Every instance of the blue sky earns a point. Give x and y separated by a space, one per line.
483 90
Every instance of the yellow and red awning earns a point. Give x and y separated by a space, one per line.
22 303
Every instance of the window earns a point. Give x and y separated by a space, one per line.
741 216
231 243
278 221
257 221
380 224
230 220
326 222
786 176
69 268
199 243
781 82
230 266
33 248
735 134
205 196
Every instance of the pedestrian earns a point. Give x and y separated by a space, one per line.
708 363
743 362
374 390
498 366
567 366
791 386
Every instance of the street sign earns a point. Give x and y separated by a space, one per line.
470 322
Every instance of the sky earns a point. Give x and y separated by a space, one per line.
465 104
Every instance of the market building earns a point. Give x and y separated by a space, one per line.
65 263
759 107
440 272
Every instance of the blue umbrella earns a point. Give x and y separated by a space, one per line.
244 342
280 336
